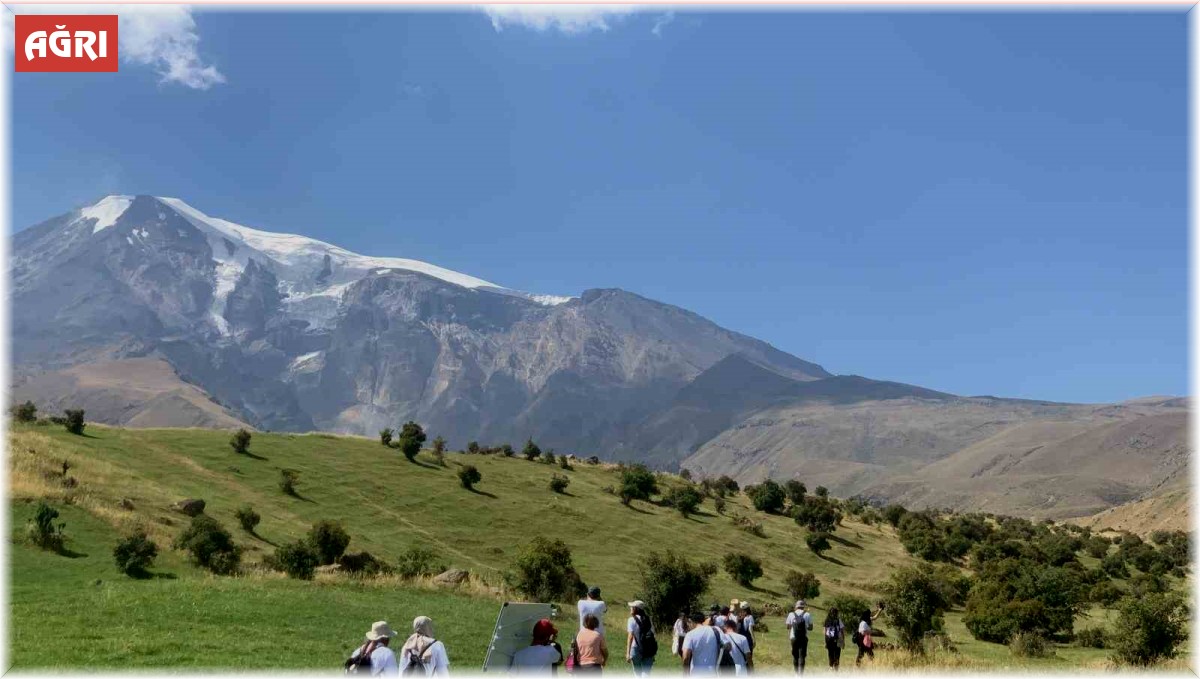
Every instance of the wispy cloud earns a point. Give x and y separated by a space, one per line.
661 22
568 19
163 37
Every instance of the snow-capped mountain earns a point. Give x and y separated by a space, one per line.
288 332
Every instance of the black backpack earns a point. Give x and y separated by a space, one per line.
361 663
647 642
744 630
725 664
415 662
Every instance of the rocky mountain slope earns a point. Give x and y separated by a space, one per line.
149 312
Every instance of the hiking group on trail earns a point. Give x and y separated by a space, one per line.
719 642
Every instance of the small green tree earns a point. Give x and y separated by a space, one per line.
44 532
685 474
298 559
418 561
767 496
637 483
548 456
412 437
795 491
817 542
210 545
685 499
74 421
240 442
564 462
670 583
817 514
468 476
802 585
135 554
544 571
385 436
531 451
915 602
559 483
248 518
1153 627
742 568
288 478
507 450
24 412
329 540
473 448
822 491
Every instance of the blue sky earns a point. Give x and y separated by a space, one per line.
983 203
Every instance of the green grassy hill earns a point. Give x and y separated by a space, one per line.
185 617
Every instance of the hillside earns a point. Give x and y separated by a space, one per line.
388 505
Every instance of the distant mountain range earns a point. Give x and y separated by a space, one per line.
147 312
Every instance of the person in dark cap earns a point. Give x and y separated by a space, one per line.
592 605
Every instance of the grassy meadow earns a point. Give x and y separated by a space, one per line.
184 617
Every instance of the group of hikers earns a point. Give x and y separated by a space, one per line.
721 642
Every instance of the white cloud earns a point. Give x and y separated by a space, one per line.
569 19
662 21
160 36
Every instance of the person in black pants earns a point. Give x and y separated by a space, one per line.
835 638
799 622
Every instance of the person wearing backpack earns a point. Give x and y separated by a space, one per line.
704 648
745 622
835 638
374 658
542 656
640 646
799 623
741 655
422 653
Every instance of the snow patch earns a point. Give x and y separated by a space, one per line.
106 212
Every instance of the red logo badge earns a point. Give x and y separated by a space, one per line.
57 43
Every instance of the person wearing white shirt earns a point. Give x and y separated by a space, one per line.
702 648
678 632
592 605
424 648
799 622
745 621
739 649
541 656
640 637
382 660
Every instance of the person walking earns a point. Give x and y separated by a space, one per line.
640 644
745 621
835 638
422 653
592 605
702 647
593 649
862 636
374 656
542 655
678 632
739 649
799 623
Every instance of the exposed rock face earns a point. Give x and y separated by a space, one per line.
452 577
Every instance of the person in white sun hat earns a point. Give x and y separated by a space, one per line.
422 653
374 657
640 644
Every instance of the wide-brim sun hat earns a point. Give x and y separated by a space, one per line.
801 604
380 630
637 603
745 605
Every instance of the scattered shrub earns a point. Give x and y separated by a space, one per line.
670 583
329 540
412 437
248 518
1096 546
44 532
385 436
298 559
1105 593
795 491
749 525
288 478
817 514
1092 637
468 476
559 483
564 463
742 568
637 483
507 450
418 561
473 448
822 491
802 585
240 442
767 496
719 506
893 514
817 542
24 412
685 474
531 451
1019 595
850 608
135 554
685 499
1153 627
915 603
1030 645
73 421
362 563
210 545
439 451
543 571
